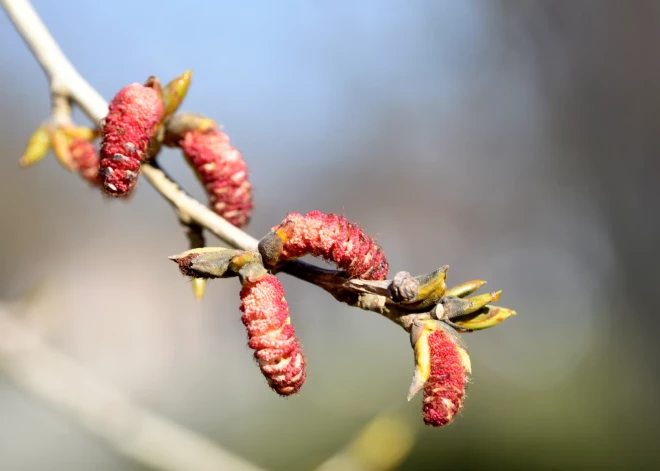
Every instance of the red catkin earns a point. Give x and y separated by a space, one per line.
222 170
85 160
335 239
271 335
134 114
445 389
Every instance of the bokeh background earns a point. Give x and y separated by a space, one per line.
515 141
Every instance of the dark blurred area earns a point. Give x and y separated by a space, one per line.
515 141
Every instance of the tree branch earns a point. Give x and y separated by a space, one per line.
67 82
420 305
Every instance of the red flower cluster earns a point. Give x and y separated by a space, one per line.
222 170
85 159
271 335
134 114
445 388
329 236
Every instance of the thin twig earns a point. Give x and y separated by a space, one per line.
190 210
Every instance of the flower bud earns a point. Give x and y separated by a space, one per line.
133 117
206 262
441 368
329 236
445 388
430 289
198 287
223 172
37 147
465 289
481 300
174 93
271 335
487 316
85 160
61 148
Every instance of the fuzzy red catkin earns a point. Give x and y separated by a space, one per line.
445 389
134 114
85 160
271 335
222 170
335 239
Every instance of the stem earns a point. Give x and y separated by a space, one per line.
192 211
64 78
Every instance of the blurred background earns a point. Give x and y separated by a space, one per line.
515 141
